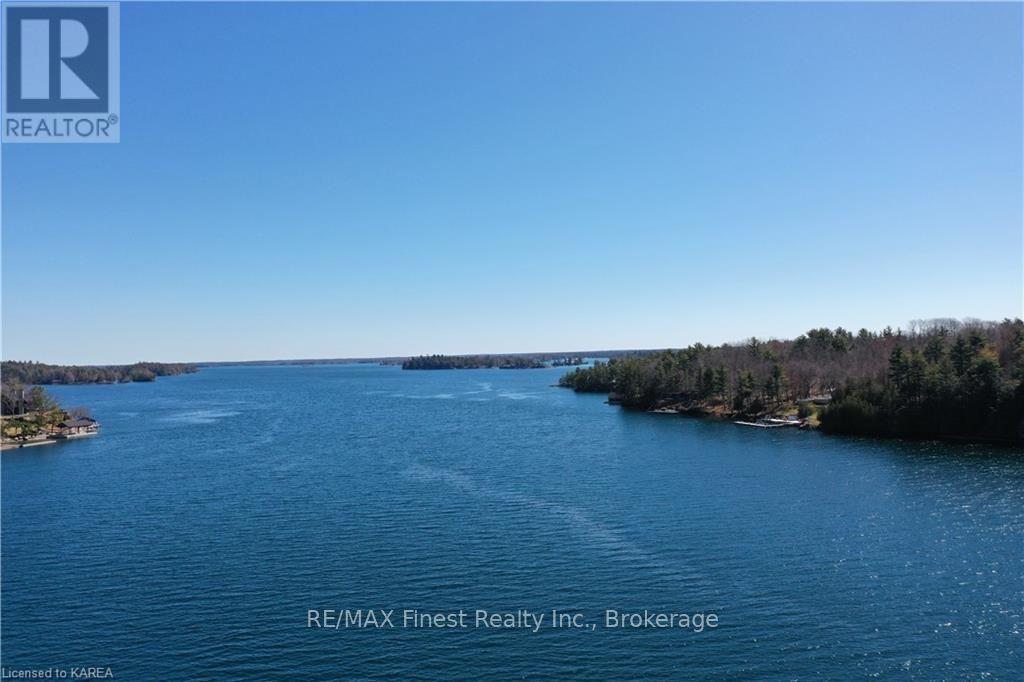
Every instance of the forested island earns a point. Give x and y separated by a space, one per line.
472 362
38 373
938 379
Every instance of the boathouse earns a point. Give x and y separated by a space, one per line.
81 426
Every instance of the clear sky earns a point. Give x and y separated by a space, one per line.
338 180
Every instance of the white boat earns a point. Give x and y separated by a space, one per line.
784 422
761 425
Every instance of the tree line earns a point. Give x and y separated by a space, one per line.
471 362
38 373
937 378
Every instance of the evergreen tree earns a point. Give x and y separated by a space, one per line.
897 367
961 356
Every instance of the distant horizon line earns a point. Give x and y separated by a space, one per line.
381 358
911 327
338 360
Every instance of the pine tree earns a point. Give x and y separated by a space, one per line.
897 367
961 356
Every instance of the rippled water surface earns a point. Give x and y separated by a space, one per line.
189 540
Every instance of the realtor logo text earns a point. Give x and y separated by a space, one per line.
61 72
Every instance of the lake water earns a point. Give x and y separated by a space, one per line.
190 539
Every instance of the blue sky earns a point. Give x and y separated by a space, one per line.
336 180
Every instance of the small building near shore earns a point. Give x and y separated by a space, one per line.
80 426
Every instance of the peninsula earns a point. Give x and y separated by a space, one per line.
945 378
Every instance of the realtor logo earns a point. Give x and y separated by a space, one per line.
61 72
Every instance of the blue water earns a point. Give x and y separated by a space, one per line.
190 539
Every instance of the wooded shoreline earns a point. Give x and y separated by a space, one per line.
940 379
16 372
